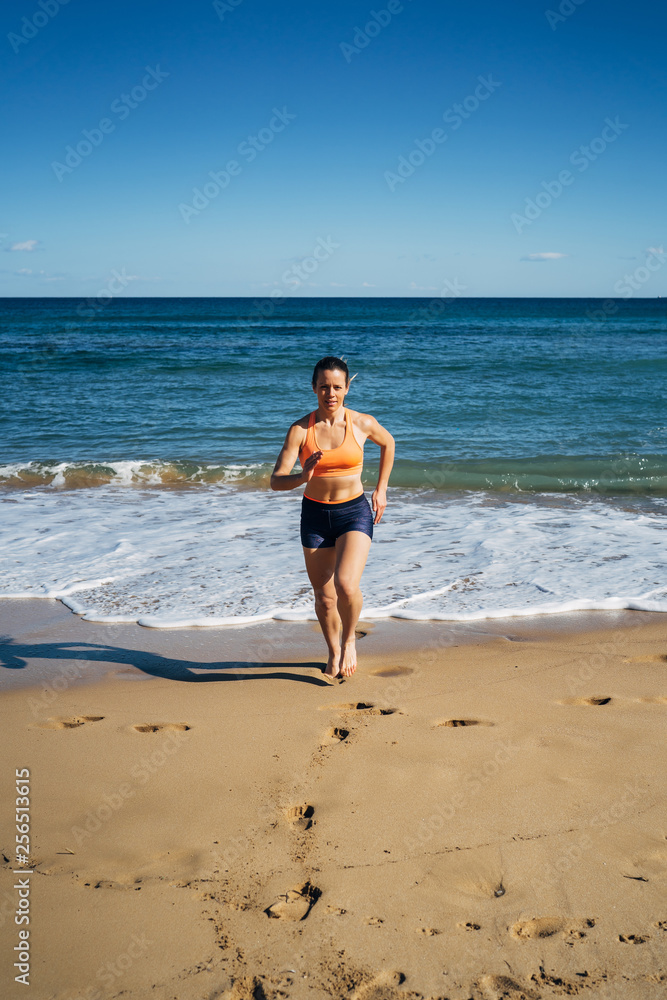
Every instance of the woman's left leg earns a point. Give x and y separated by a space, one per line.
351 553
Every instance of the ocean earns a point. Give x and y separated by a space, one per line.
138 436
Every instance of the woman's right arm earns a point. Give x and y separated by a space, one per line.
282 477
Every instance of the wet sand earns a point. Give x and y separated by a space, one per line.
478 813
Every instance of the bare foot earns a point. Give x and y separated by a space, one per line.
332 670
348 658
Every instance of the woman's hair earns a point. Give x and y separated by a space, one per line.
329 365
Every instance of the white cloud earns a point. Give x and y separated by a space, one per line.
366 285
126 277
549 255
27 272
28 245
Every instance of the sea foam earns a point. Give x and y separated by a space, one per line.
216 555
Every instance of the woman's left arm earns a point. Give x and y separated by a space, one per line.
379 435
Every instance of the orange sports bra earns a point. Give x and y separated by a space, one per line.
346 460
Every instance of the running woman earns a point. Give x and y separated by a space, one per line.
336 518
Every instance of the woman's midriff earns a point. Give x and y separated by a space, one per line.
334 489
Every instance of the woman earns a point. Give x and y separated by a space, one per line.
336 519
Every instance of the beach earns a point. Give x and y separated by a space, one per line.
321 310
478 812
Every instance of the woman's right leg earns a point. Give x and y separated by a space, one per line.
320 565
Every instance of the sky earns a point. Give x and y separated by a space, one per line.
402 148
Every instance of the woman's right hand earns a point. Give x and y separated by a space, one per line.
309 466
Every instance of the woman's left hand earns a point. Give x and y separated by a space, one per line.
379 502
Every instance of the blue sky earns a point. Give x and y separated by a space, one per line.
314 119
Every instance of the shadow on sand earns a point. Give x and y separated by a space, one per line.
79 655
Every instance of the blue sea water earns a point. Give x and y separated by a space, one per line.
134 424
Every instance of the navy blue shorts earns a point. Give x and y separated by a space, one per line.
323 523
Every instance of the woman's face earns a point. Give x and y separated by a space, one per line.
331 390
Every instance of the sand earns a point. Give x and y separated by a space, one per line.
476 814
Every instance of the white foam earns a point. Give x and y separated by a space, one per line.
213 556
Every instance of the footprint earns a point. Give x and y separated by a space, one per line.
593 700
296 904
634 938
505 988
374 921
245 988
338 735
382 987
361 706
109 884
72 722
470 926
392 671
454 723
543 927
428 931
156 727
301 816
482 885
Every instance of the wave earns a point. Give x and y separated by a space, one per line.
177 558
606 475
369 614
129 472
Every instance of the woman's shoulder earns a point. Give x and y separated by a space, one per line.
363 420
303 422
299 430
